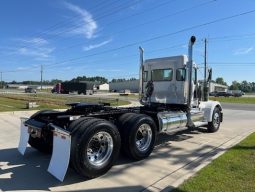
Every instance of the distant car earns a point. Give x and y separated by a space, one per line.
214 93
30 90
223 94
237 93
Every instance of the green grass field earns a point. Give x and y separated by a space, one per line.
233 171
17 102
249 100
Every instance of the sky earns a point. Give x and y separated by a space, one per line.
83 37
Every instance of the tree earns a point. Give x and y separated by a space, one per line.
245 86
235 86
221 81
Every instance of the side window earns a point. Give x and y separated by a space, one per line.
181 74
162 74
145 76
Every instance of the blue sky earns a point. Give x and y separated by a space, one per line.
85 37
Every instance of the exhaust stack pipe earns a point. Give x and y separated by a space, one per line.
141 91
190 66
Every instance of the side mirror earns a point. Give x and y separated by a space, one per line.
209 75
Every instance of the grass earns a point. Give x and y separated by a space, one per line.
17 102
248 100
233 171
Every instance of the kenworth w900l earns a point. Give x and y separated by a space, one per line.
90 136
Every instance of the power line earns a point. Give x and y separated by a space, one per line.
148 22
102 16
157 37
163 36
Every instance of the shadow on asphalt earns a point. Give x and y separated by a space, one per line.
29 172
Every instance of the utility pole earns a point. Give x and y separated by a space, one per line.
41 75
205 73
1 79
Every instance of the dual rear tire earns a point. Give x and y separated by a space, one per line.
95 146
138 135
96 142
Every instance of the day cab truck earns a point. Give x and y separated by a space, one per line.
89 137
67 87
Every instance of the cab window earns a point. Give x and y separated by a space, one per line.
162 74
145 76
181 74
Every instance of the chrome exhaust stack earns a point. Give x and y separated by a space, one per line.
141 71
190 66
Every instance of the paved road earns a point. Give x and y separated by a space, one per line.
175 158
238 106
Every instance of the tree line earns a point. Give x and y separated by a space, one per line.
244 86
98 79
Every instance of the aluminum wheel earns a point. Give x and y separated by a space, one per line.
100 148
216 120
143 137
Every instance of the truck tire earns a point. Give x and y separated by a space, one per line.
138 136
215 124
73 127
95 147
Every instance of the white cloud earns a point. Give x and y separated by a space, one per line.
35 41
243 51
94 46
39 52
85 25
38 48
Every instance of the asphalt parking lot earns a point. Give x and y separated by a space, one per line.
176 157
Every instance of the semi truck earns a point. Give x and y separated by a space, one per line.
88 137
67 87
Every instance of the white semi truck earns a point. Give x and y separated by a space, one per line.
88 137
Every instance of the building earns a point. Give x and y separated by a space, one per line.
133 86
104 87
22 86
217 87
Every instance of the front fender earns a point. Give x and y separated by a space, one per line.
208 107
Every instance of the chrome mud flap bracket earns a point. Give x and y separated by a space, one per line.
61 152
24 136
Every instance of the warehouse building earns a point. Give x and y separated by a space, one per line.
133 86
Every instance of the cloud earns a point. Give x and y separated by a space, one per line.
38 48
243 51
39 53
94 46
85 25
35 41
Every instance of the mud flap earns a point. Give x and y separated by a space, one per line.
24 136
61 153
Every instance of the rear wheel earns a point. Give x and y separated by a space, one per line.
138 136
215 124
95 147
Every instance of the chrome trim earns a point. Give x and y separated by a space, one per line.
99 148
143 137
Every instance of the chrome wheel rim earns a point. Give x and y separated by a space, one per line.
100 148
143 137
216 120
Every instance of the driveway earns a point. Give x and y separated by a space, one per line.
176 157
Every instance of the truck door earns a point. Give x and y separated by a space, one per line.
180 81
